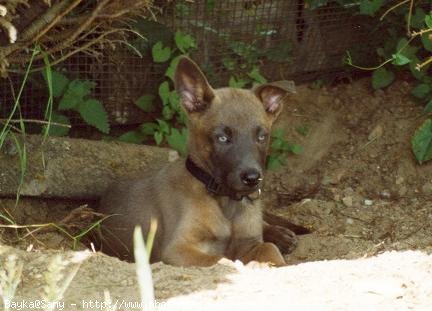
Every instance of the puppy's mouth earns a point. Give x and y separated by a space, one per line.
243 190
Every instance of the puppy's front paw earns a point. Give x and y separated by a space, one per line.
285 239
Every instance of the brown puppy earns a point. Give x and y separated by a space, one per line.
208 207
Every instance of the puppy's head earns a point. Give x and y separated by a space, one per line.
229 129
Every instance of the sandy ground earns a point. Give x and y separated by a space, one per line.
389 281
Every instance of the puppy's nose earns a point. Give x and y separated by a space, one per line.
251 177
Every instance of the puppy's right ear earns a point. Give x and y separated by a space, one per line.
192 86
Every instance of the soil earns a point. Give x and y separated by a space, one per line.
358 188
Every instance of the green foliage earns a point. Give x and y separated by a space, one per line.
428 108
370 7
146 103
382 77
422 142
74 96
56 130
93 113
184 42
422 90
408 47
169 127
279 150
161 53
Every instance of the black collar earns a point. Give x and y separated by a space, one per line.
212 185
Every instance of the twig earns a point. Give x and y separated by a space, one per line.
425 63
409 18
49 19
80 29
81 19
421 32
392 8
36 121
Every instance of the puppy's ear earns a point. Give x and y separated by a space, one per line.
271 95
192 86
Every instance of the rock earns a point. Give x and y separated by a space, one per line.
376 133
399 180
76 168
385 194
368 202
347 201
427 188
402 191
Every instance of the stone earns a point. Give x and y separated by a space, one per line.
347 201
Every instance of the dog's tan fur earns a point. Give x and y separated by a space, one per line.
196 227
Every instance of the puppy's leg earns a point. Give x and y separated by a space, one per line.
275 220
264 253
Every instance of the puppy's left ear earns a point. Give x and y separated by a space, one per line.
272 95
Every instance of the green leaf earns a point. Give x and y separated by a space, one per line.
421 90
177 140
93 113
164 92
167 112
400 59
160 53
229 63
170 72
182 9
59 82
427 41
174 100
133 137
428 20
256 76
276 144
428 108
370 7
421 143
56 130
278 134
297 149
236 83
146 102
181 117
381 78
418 18
273 163
163 126
158 137
149 128
184 41
75 93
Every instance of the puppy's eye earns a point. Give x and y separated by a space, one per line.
262 137
222 139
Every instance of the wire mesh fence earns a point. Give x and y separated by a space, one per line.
283 37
